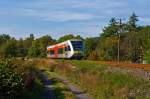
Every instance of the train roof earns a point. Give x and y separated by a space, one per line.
63 43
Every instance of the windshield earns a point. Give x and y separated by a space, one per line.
77 45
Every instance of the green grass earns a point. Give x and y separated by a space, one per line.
102 84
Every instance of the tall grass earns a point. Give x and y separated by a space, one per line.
101 83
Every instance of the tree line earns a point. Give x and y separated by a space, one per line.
134 43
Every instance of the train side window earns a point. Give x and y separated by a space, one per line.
51 52
69 48
66 49
60 51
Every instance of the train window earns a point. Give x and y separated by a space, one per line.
77 45
51 52
67 48
60 51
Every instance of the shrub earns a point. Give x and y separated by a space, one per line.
11 80
93 56
17 77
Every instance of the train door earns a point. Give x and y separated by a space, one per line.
56 52
67 51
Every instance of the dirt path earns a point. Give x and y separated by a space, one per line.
49 90
48 93
79 94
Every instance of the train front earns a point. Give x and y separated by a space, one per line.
77 48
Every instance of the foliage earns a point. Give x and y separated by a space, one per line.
93 56
111 29
68 37
11 80
34 50
10 47
4 38
90 45
147 56
109 48
19 79
134 41
132 23
38 48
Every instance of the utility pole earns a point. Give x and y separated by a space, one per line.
119 32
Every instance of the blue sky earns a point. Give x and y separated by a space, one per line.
19 18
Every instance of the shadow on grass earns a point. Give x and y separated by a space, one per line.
34 92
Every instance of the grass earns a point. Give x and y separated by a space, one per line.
61 91
101 83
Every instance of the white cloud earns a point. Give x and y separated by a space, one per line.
62 16
145 20
56 16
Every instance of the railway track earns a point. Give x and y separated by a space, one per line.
127 64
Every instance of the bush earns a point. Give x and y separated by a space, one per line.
11 80
17 77
93 56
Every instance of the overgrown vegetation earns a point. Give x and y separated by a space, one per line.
102 82
18 79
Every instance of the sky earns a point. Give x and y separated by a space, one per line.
20 18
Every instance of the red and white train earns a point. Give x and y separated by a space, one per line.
69 49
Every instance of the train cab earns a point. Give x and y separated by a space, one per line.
68 49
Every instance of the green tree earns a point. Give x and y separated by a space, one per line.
4 38
78 37
111 29
147 56
9 49
133 47
39 46
132 23
90 45
34 51
108 48
144 35
28 41
21 52
44 41
68 37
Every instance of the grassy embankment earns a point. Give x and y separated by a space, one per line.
102 82
98 80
